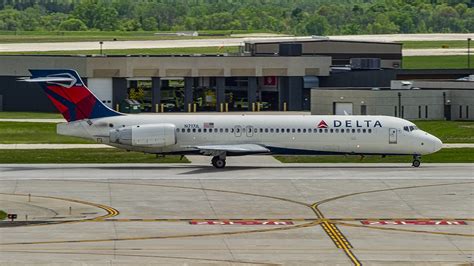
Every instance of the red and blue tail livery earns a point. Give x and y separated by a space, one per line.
70 95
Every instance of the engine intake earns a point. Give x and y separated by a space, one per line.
154 135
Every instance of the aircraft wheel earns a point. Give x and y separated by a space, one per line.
218 162
416 163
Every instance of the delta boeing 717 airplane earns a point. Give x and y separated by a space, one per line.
220 136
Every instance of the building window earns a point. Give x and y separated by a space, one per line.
403 111
363 109
426 111
460 111
395 113
419 111
467 111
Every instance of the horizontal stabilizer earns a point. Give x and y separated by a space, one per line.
46 79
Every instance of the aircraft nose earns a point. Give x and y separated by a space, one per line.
437 144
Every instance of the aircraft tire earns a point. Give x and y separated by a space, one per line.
416 163
218 162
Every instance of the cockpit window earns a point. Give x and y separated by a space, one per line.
409 128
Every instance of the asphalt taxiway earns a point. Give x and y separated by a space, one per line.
253 214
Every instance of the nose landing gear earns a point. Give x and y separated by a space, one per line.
416 161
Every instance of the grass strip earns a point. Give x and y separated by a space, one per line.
81 36
434 44
29 115
34 133
436 62
82 156
449 131
144 51
3 215
455 155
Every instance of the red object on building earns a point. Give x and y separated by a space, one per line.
270 81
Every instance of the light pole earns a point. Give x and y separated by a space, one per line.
101 43
469 53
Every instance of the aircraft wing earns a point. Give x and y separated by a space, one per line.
235 149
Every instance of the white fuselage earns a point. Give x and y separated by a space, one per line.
284 134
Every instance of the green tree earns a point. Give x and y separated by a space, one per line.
73 24
316 25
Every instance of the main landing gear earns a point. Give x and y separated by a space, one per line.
416 161
218 162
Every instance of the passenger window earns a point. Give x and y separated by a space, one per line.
287 130
337 130
353 131
261 130
310 130
204 130
266 130
342 130
364 130
271 130
189 130
293 130
326 130
332 130
277 130
221 130
199 130
304 130
370 130
183 130
298 130
320 130
226 130
358 130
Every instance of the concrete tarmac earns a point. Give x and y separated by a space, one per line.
346 214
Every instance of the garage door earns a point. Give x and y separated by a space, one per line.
102 88
343 108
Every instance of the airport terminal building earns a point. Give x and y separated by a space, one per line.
284 75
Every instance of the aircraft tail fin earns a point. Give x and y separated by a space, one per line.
69 94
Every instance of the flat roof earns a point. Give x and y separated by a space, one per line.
310 39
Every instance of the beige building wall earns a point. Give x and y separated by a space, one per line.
415 103
172 66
